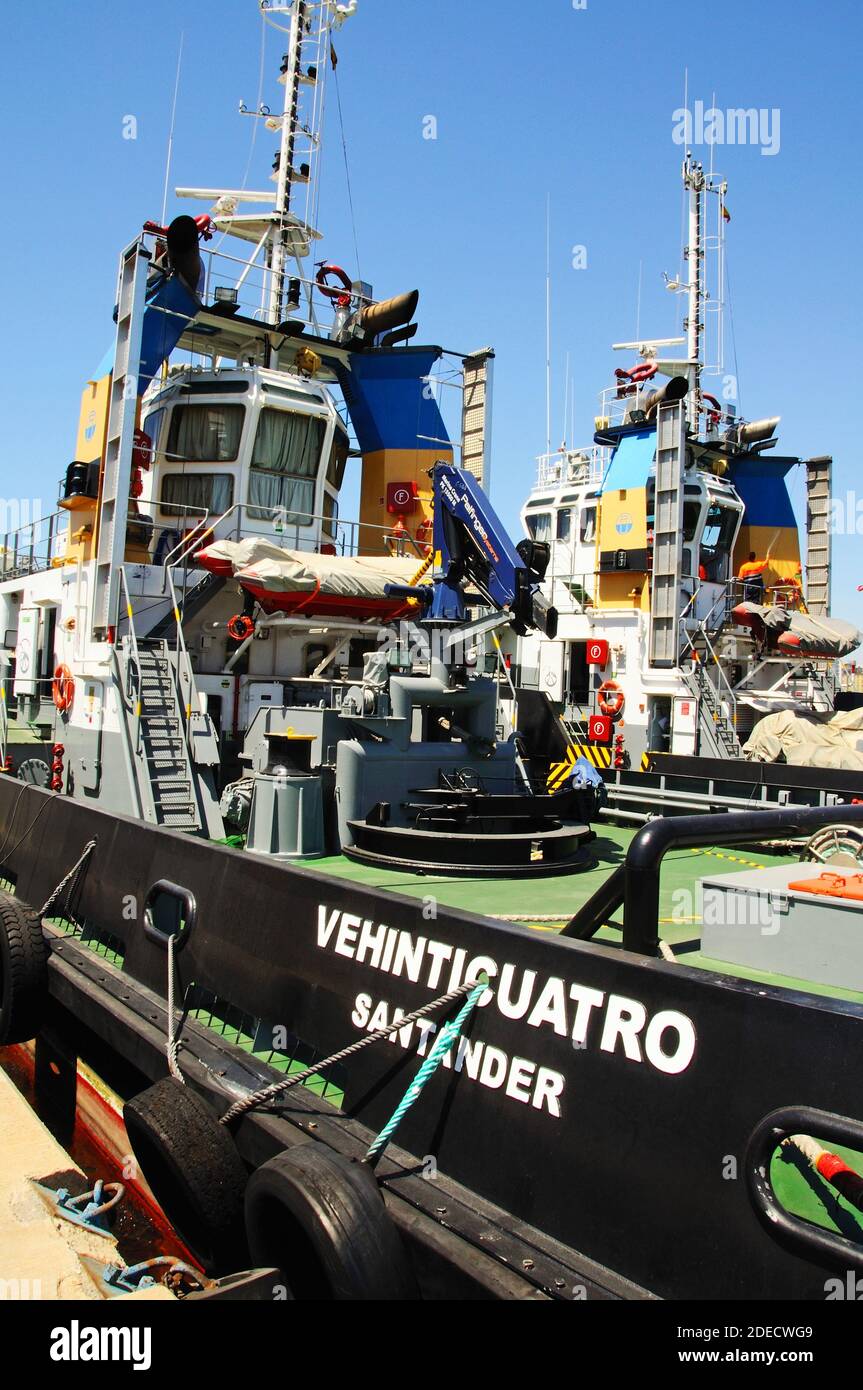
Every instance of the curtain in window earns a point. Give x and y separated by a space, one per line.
284 465
539 526
205 433
204 491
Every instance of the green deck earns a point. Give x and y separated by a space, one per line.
545 904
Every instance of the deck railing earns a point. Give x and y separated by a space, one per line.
33 547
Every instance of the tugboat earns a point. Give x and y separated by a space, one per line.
296 889
678 575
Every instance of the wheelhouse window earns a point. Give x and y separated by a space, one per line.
691 516
331 517
563 529
196 493
587 528
205 433
538 525
152 427
338 460
719 527
284 465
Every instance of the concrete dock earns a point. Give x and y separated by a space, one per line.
41 1253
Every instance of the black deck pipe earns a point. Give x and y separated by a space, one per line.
653 841
635 883
599 907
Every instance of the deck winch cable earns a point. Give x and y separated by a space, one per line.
442 1044
268 1093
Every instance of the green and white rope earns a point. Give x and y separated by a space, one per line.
442 1044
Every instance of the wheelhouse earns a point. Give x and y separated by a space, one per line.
266 454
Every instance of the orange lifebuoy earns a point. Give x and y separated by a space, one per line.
240 627
63 688
610 699
339 297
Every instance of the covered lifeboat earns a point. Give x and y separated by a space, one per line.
299 581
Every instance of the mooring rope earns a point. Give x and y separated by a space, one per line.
72 874
173 1041
442 1045
256 1098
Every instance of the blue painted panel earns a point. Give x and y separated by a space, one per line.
632 462
162 331
761 484
390 405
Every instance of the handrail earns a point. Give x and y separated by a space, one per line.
8 571
4 722
192 541
651 844
183 667
136 657
131 770
634 885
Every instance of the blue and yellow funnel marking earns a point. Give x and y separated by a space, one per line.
400 431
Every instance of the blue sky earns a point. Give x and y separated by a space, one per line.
531 101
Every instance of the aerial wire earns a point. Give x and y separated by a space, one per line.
171 132
347 168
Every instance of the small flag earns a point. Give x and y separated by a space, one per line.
334 57
725 213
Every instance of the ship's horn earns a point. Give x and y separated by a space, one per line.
183 252
673 390
388 313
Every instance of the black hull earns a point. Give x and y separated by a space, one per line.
631 1175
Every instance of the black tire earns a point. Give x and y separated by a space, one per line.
320 1218
23 971
194 1169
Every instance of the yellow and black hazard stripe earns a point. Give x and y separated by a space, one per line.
595 753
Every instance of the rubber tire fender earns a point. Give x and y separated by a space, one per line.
194 1170
320 1218
23 971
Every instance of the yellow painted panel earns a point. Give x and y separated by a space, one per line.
623 526
93 420
386 466
784 547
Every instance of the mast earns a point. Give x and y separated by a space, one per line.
303 74
693 180
287 147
